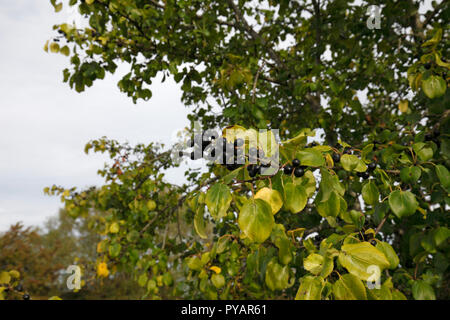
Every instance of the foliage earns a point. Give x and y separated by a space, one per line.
374 205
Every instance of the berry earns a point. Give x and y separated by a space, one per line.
232 166
288 169
428 137
427 65
373 242
26 297
251 170
313 144
336 157
180 154
365 175
372 166
296 163
299 172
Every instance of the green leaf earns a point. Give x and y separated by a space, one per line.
308 181
218 199
294 197
310 288
256 220
434 86
410 174
441 234
218 280
311 158
423 291
358 257
330 207
194 263
444 176
277 276
389 252
403 203
314 263
142 281
351 162
370 193
423 152
349 287
114 250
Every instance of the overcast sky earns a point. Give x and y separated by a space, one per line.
44 125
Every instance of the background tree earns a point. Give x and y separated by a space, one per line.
377 199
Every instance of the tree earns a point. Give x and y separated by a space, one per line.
370 203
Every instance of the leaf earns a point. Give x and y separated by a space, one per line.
142 281
272 197
200 224
370 193
218 280
54 47
5 277
423 291
389 252
114 228
403 203
440 235
403 106
216 269
114 250
311 158
256 220
218 199
349 287
410 174
443 175
310 288
65 51
358 257
90 1
331 207
425 153
294 197
434 87
151 205
351 162
318 265
308 181
277 276
194 263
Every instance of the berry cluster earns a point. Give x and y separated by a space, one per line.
232 156
296 168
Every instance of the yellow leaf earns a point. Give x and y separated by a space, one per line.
102 270
272 197
90 1
151 205
114 228
217 270
403 106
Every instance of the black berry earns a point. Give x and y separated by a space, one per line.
26 297
288 170
296 163
427 65
336 157
365 175
299 172
372 166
